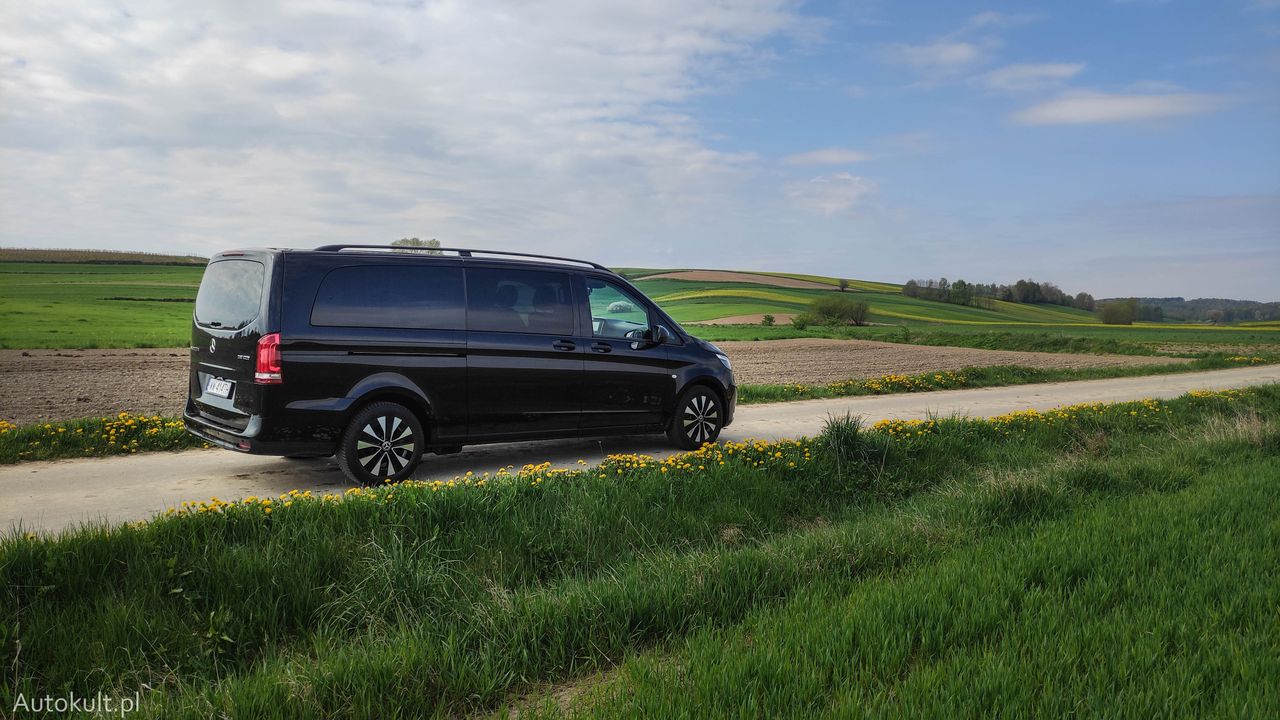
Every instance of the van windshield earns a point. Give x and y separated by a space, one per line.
230 294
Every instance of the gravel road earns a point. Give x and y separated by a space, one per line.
49 496
46 385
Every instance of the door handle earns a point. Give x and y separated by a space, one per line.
601 347
563 345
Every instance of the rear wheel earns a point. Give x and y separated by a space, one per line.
698 418
384 441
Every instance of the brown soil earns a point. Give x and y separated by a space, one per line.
63 384
729 276
45 385
822 361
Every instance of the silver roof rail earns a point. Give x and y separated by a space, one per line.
462 252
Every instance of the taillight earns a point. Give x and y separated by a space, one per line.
267 370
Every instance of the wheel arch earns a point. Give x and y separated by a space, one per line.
707 381
391 387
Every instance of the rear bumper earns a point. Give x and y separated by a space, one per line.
251 439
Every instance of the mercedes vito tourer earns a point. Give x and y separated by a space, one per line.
377 354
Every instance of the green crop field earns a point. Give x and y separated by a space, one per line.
1095 561
84 305
73 305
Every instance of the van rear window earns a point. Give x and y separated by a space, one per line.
391 296
230 293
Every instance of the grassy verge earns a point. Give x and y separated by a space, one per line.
442 598
994 376
1147 606
123 434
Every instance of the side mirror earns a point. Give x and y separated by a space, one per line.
652 337
644 339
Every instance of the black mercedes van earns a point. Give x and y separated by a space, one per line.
378 354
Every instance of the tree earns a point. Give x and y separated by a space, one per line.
1214 316
430 247
911 289
961 292
844 284
1084 301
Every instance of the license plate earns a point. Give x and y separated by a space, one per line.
221 388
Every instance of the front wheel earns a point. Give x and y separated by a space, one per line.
383 442
698 418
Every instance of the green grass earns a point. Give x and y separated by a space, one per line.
420 600
1158 605
68 305
123 434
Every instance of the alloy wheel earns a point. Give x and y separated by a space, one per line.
701 418
385 442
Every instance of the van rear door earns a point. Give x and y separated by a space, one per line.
230 318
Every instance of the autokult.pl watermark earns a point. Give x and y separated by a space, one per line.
100 704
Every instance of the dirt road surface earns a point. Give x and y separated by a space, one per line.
49 385
49 496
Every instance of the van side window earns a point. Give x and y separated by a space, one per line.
390 296
524 301
615 312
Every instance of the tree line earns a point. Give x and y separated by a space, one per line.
984 295
1214 310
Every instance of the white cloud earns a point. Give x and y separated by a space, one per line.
992 19
960 50
303 122
830 194
827 156
942 58
1016 78
1078 108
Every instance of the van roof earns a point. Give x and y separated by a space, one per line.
459 253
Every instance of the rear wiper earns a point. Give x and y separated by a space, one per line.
215 324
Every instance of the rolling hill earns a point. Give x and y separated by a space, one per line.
709 296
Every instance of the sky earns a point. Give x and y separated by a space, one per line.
1115 147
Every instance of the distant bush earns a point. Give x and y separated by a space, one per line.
801 321
839 310
1118 312
621 306
767 320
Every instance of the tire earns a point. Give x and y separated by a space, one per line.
384 441
698 418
